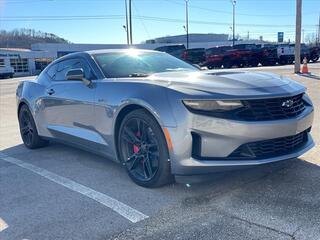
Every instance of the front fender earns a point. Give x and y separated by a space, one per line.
158 106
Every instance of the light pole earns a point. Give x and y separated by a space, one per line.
297 58
234 2
187 23
126 26
130 22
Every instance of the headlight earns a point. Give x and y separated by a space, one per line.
307 99
212 106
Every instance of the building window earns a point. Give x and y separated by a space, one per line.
41 63
19 64
2 63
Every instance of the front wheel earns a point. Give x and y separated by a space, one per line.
143 150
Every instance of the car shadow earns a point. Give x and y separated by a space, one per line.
192 184
286 191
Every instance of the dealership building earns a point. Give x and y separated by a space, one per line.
32 61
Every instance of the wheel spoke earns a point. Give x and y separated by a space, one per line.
132 157
134 164
139 127
152 145
129 136
143 131
24 130
148 166
146 176
29 138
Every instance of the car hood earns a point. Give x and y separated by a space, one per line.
229 84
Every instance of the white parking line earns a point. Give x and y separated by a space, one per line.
3 225
124 210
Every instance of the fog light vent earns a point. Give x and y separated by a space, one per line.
196 145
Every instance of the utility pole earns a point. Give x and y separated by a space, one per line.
130 22
297 58
187 23
234 2
126 28
318 32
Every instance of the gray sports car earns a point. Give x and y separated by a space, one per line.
161 117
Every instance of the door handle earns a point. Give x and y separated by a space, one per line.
50 91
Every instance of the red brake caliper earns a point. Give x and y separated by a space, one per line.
135 147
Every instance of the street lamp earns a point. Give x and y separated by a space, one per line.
234 2
187 23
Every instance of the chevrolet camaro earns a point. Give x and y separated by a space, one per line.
161 117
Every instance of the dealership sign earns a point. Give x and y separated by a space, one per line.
280 36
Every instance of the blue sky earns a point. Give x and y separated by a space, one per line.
159 18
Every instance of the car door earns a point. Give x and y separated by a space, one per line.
69 105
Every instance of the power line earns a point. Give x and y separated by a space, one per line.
146 18
240 14
141 20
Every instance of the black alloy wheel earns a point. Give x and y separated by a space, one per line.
143 150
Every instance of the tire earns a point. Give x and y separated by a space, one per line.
254 63
28 130
227 63
143 150
210 66
283 61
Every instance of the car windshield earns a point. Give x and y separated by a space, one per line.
134 63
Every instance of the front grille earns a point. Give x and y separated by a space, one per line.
271 109
270 148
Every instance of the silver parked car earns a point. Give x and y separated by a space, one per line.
161 117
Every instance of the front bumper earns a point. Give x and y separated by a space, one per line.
221 137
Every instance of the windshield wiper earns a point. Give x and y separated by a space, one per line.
138 75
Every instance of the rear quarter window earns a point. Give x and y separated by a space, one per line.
51 71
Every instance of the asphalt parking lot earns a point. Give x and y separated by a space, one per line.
59 192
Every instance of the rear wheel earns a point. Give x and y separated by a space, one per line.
143 150
28 130
283 61
227 63
315 59
254 63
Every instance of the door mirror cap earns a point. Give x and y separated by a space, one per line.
77 75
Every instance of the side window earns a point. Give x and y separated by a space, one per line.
65 66
52 71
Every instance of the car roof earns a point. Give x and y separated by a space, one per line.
101 51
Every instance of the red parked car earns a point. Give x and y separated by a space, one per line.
215 55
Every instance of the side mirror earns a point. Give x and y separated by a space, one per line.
77 75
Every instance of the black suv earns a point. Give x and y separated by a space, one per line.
174 50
